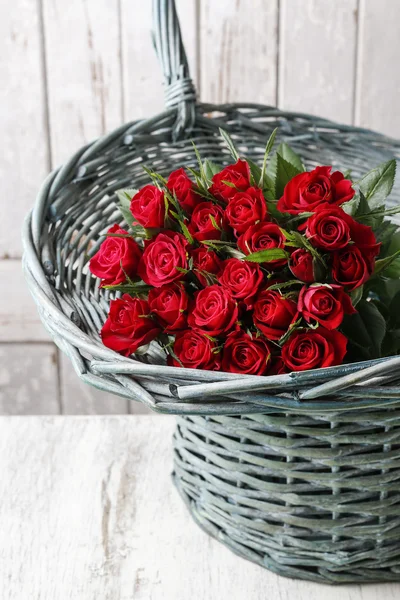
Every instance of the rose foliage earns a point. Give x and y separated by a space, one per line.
254 270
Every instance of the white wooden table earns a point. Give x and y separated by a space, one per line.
88 511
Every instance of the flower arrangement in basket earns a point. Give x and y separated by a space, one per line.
255 269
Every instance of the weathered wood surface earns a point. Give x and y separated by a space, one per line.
378 81
88 511
317 48
143 92
28 379
23 128
83 72
239 46
19 319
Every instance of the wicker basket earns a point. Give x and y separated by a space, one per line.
299 473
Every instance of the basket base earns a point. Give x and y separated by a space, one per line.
290 571
218 513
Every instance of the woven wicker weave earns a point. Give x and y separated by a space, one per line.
299 473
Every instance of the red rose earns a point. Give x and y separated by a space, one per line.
129 325
314 349
205 261
148 207
215 311
243 353
245 209
326 304
195 351
330 228
238 174
263 236
169 303
351 268
307 190
242 279
273 313
116 258
202 227
163 259
185 191
301 265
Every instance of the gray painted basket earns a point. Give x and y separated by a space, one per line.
300 472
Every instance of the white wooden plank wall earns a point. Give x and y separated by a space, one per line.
70 71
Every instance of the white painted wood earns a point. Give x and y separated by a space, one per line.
28 379
378 84
83 72
238 48
19 319
88 511
78 398
142 76
317 57
23 134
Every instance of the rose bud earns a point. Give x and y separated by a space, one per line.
301 265
306 191
195 351
351 268
245 209
215 311
314 349
185 191
202 227
326 304
148 207
242 279
116 258
205 261
237 174
273 313
129 325
169 304
164 259
263 236
244 353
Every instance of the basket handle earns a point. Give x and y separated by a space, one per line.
179 88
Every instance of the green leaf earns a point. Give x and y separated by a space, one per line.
266 255
129 288
290 156
255 171
201 168
186 233
382 264
394 312
352 205
229 143
393 270
377 184
284 173
214 222
125 196
356 295
268 149
210 169
366 328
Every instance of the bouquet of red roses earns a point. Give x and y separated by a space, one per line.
254 269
